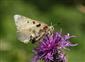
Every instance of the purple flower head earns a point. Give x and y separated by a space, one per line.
50 48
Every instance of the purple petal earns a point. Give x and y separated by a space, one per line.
49 47
35 58
49 56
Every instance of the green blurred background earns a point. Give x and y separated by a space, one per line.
66 14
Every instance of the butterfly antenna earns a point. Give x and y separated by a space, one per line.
53 24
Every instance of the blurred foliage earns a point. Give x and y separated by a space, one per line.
68 15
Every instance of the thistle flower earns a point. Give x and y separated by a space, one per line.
50 48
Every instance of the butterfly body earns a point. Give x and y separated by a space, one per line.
28 29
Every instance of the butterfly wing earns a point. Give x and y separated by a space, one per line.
23 28
28 29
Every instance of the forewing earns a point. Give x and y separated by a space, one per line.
27 28
23 28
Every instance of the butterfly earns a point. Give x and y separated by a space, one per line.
31 30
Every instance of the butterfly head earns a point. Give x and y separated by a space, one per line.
50 29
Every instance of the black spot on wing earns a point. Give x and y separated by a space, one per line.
33 22
38 25
45 27
33 40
